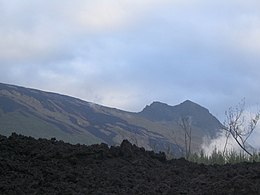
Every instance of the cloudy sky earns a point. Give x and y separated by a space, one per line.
128 53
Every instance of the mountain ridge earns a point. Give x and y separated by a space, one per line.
38 113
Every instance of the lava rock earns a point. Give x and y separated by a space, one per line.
30 166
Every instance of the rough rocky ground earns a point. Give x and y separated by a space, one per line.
30 166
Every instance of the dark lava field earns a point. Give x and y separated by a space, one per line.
30 166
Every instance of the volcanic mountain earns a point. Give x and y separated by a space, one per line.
42 114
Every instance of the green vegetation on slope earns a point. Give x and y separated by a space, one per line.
217 157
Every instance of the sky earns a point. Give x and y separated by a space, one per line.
129 53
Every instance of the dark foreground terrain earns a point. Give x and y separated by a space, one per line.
30 166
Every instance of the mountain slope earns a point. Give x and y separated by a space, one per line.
42 114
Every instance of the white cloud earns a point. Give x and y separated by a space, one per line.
250 40
255 137
33 29
125 53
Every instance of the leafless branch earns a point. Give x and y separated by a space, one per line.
235 126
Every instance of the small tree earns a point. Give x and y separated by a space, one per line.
235 126
185 124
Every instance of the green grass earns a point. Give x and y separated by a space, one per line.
217 157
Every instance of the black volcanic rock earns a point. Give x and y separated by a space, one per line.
30 166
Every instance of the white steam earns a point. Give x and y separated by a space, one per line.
209 145
252 144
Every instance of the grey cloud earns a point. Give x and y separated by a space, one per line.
176 52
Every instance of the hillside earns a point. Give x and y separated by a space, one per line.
201 117
29 166
44 115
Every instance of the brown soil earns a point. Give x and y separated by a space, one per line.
30 166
